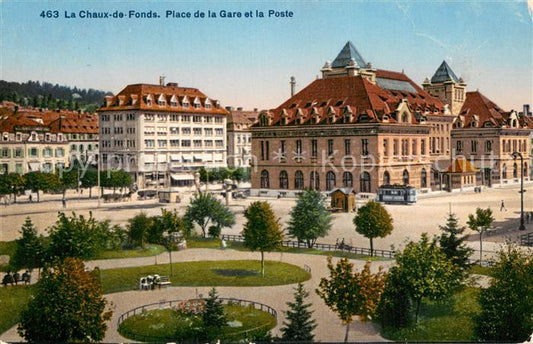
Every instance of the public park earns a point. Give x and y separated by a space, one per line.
157 267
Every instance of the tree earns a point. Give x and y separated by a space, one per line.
68 179
77 237
395 307
138 228
373 220
11 183
350 293
167 229
89 179
213 317
261 231
115 179
299 325
68 306
310 219
205 209
425 270
507 304
480 222
29 251
452 244
41 181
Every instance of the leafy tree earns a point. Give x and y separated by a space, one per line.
41 181
310 219
507 304
299 325
350 293
453 246
138 228
480 222
261 231
373 220
29 251
205 209
68 306
213 317
115 179
77 237
68 179
89 179
167 229
425 270
11 183
395 307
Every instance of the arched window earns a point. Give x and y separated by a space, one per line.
515 170
330 180
283 180
386 178
299 180
504 171
405 177
525 170
365 181
265 182
423 178
314 181
347 179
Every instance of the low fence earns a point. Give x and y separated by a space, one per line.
170 304
322 247
526 239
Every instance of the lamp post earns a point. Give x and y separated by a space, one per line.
515 155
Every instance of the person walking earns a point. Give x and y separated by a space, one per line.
502 206
64 201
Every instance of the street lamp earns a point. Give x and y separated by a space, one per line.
519 155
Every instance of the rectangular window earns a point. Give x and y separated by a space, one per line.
267 150
220 143
186 118
161 118
314 148
197 119
162 143
262 150
197 131
364 147
347 148
423 147
174 143
385 147
197 143
299 149
149 143
33 152
208 131
330 147
283 148
185 143
459 146
5 152
174 130
473 145
18 153
208 143
219 132
395 147
186 131
414 147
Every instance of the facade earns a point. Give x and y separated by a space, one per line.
162 133
356 127
30 146
486 135
240 136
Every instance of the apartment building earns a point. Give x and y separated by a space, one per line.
240 136
162 133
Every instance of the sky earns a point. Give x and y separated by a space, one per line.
248 62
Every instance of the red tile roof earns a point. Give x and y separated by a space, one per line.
356 93
243 117
134 97
63 121
8 123
461 165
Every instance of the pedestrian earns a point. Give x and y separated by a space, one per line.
502 206
8 279
527 217
31 199
64 201
26 277
16 277
223 244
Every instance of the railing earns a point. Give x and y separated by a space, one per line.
169 304
323 247
526 239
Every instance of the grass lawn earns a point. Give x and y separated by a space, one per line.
207 273
481 270
148 250
168 324
12 300
215 243
7 248
446 321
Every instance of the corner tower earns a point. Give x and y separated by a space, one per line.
445 85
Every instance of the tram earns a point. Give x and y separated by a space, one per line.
397 194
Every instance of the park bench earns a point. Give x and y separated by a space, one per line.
163 282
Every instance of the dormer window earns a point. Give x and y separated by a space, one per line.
47 137
161 101
264 119
348 115
207 103
5 136
404 117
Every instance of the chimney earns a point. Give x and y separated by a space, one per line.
162 80
526 110
293 85
239 108
174 84
255 109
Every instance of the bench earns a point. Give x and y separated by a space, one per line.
163 282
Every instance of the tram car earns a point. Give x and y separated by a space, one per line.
397 194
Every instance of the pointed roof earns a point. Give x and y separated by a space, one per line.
348 53
461 165
443 74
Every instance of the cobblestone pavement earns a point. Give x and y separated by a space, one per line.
329 326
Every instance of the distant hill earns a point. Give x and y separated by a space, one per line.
46 95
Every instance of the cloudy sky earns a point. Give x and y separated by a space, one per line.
248 61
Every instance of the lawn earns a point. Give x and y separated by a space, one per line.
446 321
7 248
168 324
215 244
207 273
148 250
12 300
480 270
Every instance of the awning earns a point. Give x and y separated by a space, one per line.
175 157
186 157
34 166
198 158
180 176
